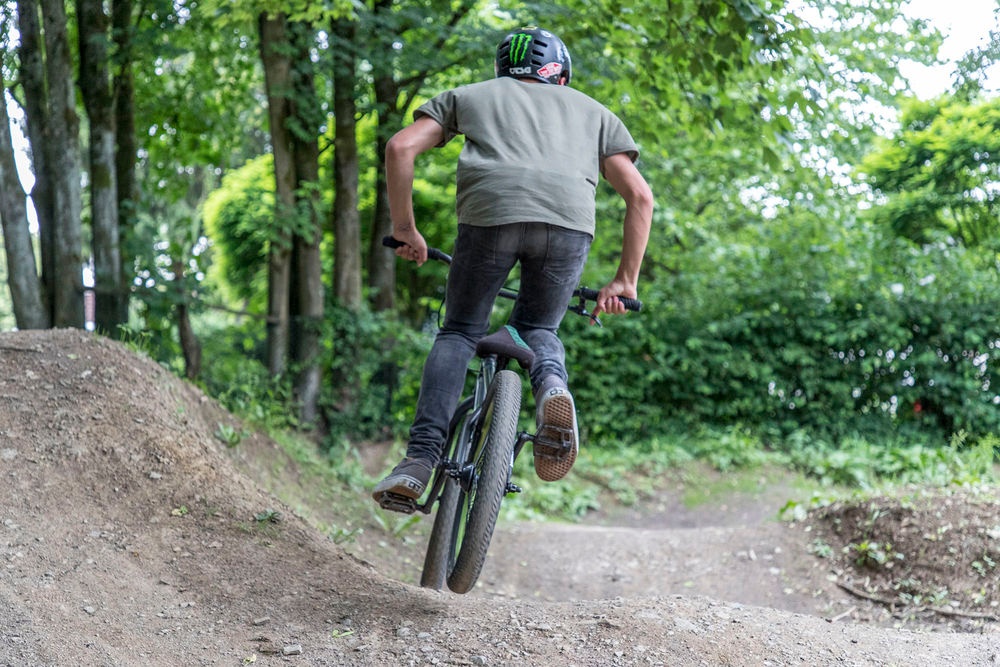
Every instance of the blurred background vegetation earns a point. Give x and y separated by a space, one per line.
821 285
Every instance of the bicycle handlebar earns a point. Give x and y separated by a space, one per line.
634 305
583 292
432 253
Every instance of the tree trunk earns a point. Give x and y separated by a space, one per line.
95 85
307 265
41 149
277 77
190 345
126 149
382 260
22 272
64 128
346 220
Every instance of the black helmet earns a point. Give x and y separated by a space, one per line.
533 53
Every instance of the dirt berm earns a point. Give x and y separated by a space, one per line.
130 535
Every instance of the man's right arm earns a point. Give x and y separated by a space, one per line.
623 176
400 153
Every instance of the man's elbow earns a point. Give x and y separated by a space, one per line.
640 198
397 148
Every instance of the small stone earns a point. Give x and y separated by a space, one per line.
479 660
292 649
90 610
155 475
685 625
263 620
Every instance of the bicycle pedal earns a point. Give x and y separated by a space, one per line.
395 502
547 447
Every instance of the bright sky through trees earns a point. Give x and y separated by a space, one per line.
965 24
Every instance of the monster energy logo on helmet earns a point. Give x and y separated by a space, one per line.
519 44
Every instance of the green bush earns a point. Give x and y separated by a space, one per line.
372 366
905 344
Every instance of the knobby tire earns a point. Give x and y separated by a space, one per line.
492 454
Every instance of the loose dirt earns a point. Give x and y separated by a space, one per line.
130 534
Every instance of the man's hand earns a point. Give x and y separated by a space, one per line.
607 298
415 249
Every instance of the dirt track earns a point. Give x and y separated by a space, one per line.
129 535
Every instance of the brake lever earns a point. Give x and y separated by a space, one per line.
581 309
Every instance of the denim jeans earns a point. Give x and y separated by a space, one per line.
552 260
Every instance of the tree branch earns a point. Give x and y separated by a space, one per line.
943 611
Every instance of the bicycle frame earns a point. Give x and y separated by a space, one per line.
466 417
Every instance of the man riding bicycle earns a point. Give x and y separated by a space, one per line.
526 183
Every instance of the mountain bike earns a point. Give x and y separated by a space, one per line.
476 470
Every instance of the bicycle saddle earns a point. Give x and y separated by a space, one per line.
507 343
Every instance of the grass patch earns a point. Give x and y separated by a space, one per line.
328 486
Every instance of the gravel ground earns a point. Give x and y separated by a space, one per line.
129 535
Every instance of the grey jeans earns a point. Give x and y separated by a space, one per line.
552 260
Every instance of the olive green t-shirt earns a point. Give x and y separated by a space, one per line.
533 151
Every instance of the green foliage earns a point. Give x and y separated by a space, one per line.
238 218
239 380
859 463
798 324
169 257
936 173
874 554
776 323
374 369
229 435
196 84
628 473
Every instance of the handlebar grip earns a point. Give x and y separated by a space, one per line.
432 253
634 305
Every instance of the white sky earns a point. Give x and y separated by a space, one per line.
965 24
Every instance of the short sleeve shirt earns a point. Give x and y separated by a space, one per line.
533 151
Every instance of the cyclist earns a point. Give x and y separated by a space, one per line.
526 181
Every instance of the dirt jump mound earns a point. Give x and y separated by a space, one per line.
128 536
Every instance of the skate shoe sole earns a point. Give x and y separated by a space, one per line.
555 445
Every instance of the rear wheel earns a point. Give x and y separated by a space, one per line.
489 463
440 547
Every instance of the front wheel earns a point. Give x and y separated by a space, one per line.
441 545
491 458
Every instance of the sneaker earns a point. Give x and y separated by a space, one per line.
408 479
557 439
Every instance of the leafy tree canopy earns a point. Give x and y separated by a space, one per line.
939 172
